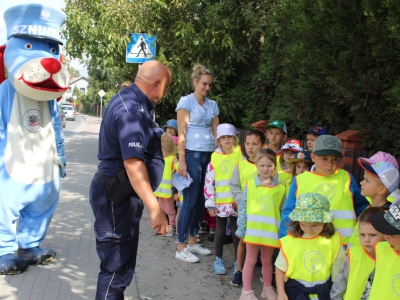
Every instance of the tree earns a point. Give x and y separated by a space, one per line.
67 62
223 35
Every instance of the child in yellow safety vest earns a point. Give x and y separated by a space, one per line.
244 170
311 254
258 223
386 283
326 178
381 178
355 277
219 199
164 191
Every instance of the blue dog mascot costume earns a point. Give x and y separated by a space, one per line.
31 139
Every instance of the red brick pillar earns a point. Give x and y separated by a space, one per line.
351 141
260 125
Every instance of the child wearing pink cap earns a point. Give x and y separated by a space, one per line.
284 166
381 179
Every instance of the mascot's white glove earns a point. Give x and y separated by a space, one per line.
62 163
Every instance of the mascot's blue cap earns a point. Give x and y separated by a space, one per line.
34 20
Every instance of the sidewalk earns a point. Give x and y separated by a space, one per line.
73 274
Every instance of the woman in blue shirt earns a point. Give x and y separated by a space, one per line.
197 124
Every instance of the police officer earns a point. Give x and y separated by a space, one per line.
131 168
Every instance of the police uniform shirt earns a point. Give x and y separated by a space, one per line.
127 131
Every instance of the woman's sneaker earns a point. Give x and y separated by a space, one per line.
171 231
212 230
237 279
186 256
247 295
196 248
269 293
219 267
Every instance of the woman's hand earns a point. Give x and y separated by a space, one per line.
182 170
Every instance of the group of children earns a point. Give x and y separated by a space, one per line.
302 208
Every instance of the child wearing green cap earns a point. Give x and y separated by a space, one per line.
276 135
326 178
311 253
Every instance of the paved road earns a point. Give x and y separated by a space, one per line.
73 274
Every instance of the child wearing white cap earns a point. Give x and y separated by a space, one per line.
219 199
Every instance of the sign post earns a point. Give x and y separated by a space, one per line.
141 49
101 93
74 97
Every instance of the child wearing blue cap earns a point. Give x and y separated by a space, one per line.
312 134
171 127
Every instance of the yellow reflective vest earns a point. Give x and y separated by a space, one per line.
164 190
283 174
262 214
247 170
386 283
224 165
361 264
336 188
310 260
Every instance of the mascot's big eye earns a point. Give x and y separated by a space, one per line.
28 46
53 50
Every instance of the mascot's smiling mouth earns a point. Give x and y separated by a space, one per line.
46 85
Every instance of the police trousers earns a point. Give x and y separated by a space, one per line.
117 236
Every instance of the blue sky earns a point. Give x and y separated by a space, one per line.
5 4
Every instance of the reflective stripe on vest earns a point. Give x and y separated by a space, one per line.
336 188
283 174
361 264
247 171
310 259
386 283
224 165
164 190
263 215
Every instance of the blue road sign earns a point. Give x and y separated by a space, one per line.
141 49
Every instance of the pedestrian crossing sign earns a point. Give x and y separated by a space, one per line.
141 49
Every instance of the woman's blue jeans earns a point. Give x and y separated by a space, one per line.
192 208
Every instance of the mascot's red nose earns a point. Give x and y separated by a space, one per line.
51 65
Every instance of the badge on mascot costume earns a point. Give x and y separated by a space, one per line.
32 158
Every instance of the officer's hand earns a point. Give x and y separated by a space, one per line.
182 170
159 222
62 164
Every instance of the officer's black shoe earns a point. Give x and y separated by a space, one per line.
11 265
36 255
